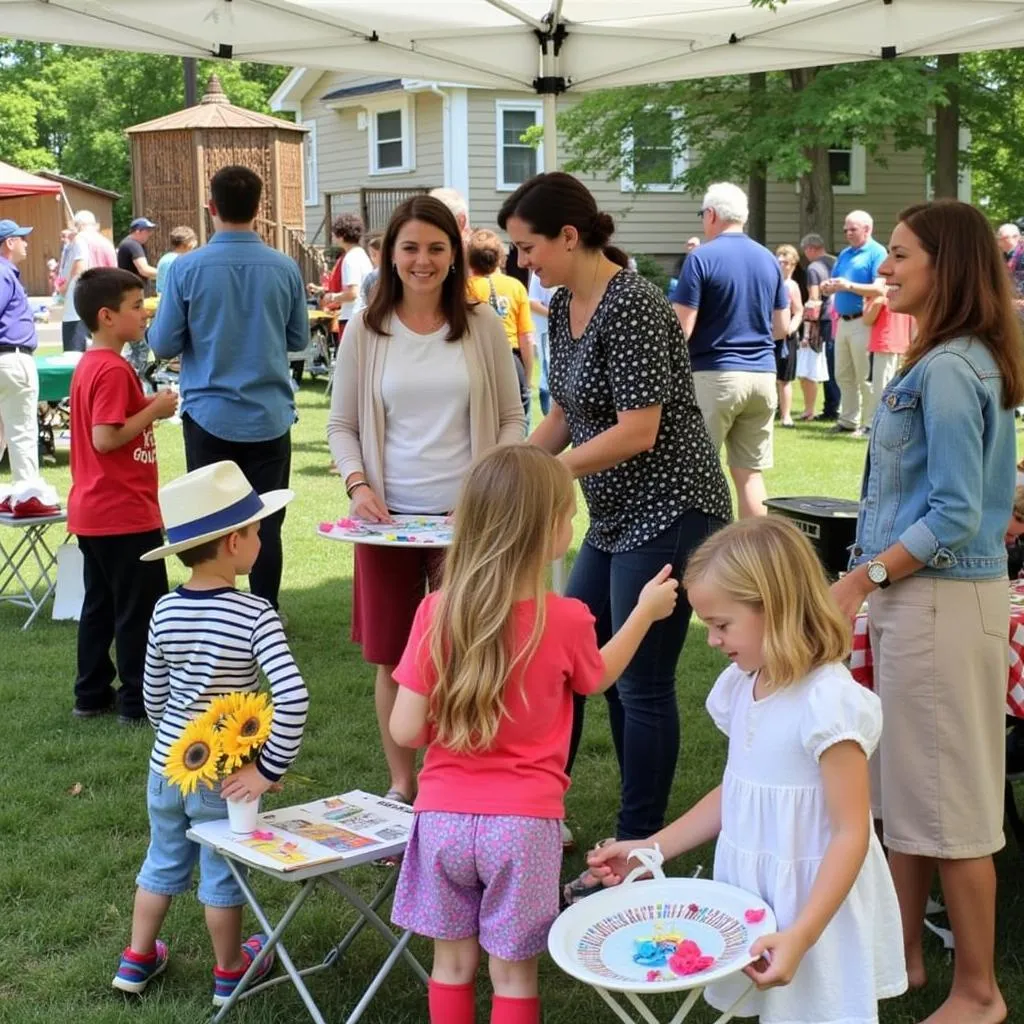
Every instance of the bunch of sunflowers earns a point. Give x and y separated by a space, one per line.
220 741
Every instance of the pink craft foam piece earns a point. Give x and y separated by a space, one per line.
654 975
347 524
689 959
262 834
754 916
325 527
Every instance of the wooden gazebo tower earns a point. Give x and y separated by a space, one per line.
174 157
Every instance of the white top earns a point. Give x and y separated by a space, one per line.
775 830
354 267
538 293
79 250
425 392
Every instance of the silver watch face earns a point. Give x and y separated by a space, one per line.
877 572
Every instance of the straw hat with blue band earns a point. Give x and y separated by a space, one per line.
208 503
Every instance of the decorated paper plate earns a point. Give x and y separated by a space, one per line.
404 532
661 935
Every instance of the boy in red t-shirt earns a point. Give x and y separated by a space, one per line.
113 508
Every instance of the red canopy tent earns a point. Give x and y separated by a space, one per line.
16 182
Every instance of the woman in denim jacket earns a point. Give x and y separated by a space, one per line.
929 558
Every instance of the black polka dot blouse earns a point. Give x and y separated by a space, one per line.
633 355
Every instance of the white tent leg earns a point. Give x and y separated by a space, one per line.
550 132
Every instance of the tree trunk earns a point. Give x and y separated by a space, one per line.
816 184
947 133
757 185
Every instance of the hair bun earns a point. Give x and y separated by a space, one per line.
601 229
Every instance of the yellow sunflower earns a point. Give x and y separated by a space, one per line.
223 706
246 729
193 757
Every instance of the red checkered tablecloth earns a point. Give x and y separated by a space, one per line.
862 665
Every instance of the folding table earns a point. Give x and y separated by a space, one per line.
310 845
28 564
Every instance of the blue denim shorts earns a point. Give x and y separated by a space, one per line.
172 857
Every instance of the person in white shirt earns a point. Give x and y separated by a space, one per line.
348 273
540 299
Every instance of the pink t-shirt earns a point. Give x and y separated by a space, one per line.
891 332
523 772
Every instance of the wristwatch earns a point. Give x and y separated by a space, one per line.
878 574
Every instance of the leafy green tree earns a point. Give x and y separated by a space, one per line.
731 131
66 108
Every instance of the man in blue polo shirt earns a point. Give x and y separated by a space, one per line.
233 310
19 380
733 304
854 279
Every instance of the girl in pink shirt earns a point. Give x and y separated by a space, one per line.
486 684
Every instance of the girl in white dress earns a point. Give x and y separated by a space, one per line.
792 815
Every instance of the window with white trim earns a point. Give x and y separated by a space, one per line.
310 183
391 137
517 161
650 158
847 169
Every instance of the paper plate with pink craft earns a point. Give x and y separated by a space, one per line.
659 935
402 532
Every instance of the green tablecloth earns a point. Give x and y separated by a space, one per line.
55 375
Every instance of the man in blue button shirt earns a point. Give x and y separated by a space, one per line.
19 380
854 279
233 310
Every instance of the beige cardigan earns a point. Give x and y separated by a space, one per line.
355 427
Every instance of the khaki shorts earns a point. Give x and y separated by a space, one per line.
941 654
739 411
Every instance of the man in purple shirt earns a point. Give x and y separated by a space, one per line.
19 381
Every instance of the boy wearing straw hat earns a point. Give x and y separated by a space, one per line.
208 640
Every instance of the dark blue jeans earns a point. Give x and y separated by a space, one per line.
642 704
832 395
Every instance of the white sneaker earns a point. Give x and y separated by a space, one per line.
568 840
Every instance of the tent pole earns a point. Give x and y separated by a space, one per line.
550 132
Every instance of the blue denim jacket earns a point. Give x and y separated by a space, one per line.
941 466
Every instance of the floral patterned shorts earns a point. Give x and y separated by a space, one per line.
490 876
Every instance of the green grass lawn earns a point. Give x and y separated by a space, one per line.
68 859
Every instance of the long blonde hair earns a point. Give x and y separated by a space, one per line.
768 564
505 521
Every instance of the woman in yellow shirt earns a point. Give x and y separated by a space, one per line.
509 299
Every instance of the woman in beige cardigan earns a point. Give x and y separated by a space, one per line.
424 384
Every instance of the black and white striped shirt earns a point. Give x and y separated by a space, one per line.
204 644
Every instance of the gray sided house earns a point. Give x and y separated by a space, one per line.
372 141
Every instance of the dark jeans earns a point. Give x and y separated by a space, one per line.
74 336
120 592
642 704
524 385
832 395
267 466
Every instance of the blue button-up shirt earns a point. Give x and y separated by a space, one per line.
861 267
16 324
233 310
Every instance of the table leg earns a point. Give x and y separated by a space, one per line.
640 1008
273 943
39 547
31 544
374 921
685 1009
385 969
382 894
732 1011
616 1009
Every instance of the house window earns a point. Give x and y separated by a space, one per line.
847 169
310 185
650 155
391 138
517 160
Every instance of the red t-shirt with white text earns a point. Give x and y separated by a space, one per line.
113 492
523 772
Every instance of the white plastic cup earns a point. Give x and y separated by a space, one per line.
243 816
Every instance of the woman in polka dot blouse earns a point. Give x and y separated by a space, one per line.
625 420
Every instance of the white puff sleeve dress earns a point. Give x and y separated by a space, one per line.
775 830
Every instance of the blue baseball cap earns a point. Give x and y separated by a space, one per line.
140 223
9 229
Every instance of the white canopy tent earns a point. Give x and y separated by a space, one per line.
545 46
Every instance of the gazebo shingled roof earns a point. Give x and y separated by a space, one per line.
214 110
